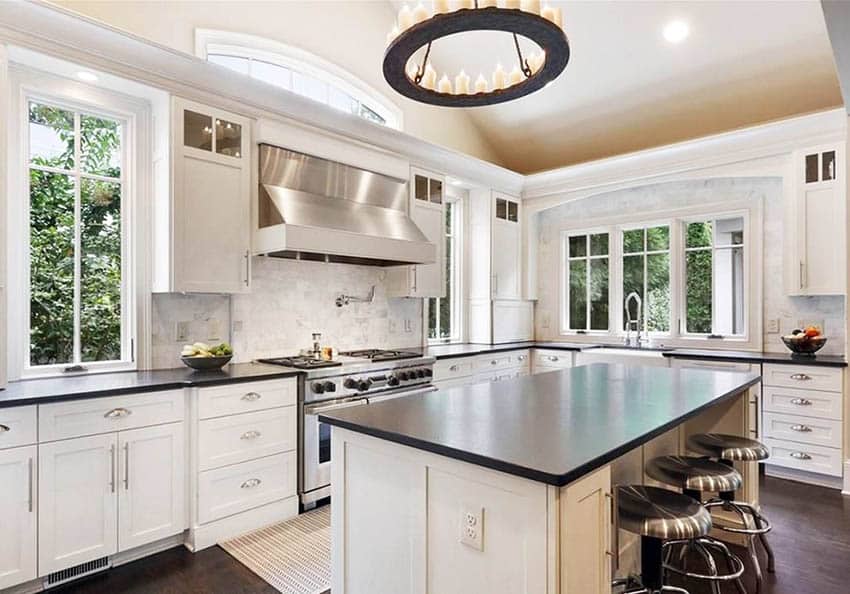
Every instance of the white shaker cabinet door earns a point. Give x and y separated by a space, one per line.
151 484
77 500
17 516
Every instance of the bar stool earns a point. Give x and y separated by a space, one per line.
693 476
727 449
658 516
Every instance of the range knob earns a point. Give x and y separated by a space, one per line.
404 376
364 385
429 372
420 373
350 383
317 387
392 380
329 386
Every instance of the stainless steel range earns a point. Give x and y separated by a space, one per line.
355 378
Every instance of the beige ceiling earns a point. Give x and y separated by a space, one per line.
627 89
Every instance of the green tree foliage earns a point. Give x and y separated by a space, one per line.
52 243
698 278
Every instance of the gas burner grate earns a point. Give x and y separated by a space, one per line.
380 354
301 362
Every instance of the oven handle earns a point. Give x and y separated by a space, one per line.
406 393
317 409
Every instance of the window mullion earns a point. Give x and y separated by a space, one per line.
77 350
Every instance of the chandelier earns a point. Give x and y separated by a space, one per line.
419 27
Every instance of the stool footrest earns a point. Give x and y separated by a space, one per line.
742 509
736 566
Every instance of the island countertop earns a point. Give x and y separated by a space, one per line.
553 427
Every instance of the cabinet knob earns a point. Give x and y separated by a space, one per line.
801 402
4 429
251 397
250 435
801 428
800 456
801 377
117 413
251 483
552 358
453 368
493 362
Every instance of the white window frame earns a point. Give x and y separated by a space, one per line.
215 41
29 85
565 280
619 315
455 284
751 211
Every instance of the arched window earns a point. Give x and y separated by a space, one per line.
298 71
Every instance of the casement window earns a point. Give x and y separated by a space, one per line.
646 272
691 272
297 71
715 303
587 272
443 313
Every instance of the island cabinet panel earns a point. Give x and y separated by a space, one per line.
586 534
18 552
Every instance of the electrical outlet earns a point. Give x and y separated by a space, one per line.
544 320
772 326
472 528
237 326
214 330
181 332
408 325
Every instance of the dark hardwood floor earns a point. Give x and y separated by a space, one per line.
811 539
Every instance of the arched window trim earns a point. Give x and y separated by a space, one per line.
213 41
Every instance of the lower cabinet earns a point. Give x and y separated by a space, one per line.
107 493
18 542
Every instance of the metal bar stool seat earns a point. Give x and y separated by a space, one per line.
693 476
657 516
728 449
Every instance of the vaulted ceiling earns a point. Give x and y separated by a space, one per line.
626 88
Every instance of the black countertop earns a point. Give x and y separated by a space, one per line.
93 385
751 357
554 427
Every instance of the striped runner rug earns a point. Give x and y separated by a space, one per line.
293 556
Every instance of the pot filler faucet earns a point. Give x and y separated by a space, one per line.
631 324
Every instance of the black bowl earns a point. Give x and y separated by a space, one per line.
806 347
206 363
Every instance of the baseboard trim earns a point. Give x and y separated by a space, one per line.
801 476
149 549
207 535
846 489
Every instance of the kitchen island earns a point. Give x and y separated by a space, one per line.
506 487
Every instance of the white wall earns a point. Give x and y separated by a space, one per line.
673 195
289 301
350 34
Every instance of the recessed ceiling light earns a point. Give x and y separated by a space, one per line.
676 31
86 76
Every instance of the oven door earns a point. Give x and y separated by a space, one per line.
404 394
316 451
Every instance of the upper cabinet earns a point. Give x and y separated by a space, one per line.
203 236
816 253
507 246
427 209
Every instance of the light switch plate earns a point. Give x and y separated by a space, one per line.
472 527
181 332
772 326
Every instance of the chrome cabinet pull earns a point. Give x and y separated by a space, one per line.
250 435
801 377
247 268
31 487
112 469
118 413
127 466
251 483
521 358
453 368
800 456
552 358
5 428
251 397
801 402
801 428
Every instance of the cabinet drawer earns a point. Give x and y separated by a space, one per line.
711 364
237 438
811 458
802 376
18 426
556 359
500 374
506 360
240 398
101 415
824 432
446 369
808 403
240 487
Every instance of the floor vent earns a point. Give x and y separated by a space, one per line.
72 573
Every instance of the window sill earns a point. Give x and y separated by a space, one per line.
52 372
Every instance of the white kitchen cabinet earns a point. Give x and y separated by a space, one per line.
203 226
427 210
77 502
18 552
816 258
152 489
506 248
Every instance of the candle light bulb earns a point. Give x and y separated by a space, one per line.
514 4
405 17
486 3
420 13
499 78
462 83
465 4
532 6
481 84
548 13
445 85
516 76
441 6
429 79
559 17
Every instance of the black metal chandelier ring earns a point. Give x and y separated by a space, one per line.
546 34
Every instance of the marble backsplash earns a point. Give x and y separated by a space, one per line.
289 300
790 311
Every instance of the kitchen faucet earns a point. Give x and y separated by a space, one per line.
637 324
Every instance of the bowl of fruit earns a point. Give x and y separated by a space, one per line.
806 342
204 357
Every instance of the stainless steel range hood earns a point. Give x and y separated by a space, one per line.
313 209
